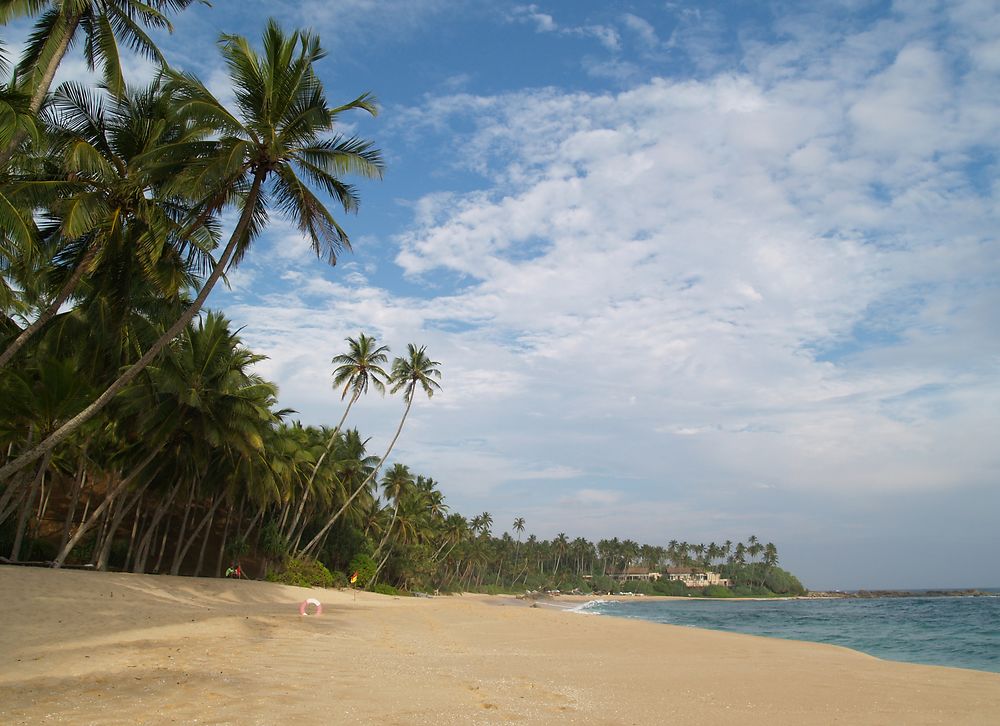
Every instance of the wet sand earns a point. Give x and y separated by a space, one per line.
86 647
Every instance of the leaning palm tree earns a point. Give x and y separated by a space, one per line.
105 24
276 133
357 370
407 374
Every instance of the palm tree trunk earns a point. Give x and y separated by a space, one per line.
388 529
67 289
163 549
146 542
125 508
87 413
102 533
175 570
315 540
371 582
204 544
222 545
11 500
42 89
319 463
108 500
175 565
26 507
129 556
79 483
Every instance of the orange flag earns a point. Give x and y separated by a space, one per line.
354 577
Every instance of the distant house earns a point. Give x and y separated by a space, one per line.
693 577
637 573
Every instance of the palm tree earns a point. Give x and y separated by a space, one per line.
561 546
485 523
407 373
107 200
519 528
278 126
356 370
105 24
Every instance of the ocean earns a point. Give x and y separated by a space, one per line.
962 632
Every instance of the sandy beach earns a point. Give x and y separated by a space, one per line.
86 647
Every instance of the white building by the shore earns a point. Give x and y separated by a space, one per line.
694 577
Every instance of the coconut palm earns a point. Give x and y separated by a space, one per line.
357 370
107 201
407 374
278 128
105 24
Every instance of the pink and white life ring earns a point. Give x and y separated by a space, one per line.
304 607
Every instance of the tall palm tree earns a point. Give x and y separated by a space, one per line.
561 545
105 24
407 374
519 528
278 127
357 370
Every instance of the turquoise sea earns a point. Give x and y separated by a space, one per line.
962 632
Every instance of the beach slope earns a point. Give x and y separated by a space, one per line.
87 647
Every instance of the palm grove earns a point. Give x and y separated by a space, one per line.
135 433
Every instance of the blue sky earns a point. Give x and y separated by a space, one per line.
694 270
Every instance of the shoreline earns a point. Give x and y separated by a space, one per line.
163 649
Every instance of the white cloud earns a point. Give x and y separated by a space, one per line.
546 23
642 29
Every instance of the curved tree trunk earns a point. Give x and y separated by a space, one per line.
176 569
175 564
222 546
142 555
176 329
315 540
130 555
319 463
109 538
204 544
26 507
108 500
67 289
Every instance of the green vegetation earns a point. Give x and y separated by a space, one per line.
302 572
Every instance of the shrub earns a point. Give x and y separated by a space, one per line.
383 589
339 578
302 572
569 582
716 591
603 583
783 582
643 587
673 588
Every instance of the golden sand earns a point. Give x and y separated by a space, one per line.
86 647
